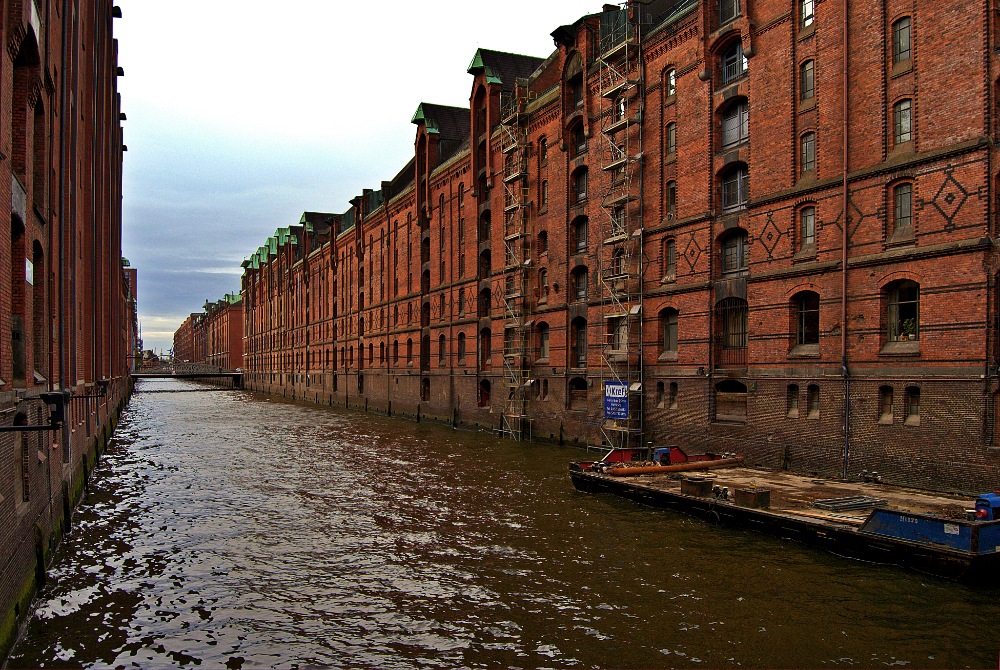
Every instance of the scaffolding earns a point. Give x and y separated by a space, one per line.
621 256
517 262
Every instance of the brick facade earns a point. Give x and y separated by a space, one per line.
67 307
213 337
774 221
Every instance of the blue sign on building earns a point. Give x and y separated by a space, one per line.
615 400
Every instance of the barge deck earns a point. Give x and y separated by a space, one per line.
919 530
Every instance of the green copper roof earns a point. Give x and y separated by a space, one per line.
420 117
477 66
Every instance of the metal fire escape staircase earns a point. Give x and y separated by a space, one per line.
621 261
517 262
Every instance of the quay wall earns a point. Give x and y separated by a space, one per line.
773 260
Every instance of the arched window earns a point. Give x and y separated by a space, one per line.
409 351
885 404
668 330
484 393
902 300
442 351
669 84
792 401
735 253
901 41
806 308
543 340
425 389
461 348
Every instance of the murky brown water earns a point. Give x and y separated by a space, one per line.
226 530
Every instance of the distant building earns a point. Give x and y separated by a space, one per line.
213 337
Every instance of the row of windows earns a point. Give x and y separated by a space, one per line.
901 309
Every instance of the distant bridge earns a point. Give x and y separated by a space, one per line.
171 373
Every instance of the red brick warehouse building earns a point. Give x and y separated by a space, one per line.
67 303
771 221
213 337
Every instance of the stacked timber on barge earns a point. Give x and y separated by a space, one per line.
929 532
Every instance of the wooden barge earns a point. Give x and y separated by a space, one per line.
938 534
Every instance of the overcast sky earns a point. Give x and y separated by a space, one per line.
243 114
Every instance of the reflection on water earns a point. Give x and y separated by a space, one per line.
224 529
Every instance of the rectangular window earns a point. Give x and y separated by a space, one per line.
728 10
808 13
808 156
671 138
902 122
670 331
670 259
807 227
734 189
807 80
543 342
902 207
734 63
735 124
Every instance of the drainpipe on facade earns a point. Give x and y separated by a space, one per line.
843 269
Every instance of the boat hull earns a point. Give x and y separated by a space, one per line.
916 554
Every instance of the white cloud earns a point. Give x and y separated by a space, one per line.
242 114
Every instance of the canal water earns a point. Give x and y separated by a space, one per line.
227 530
